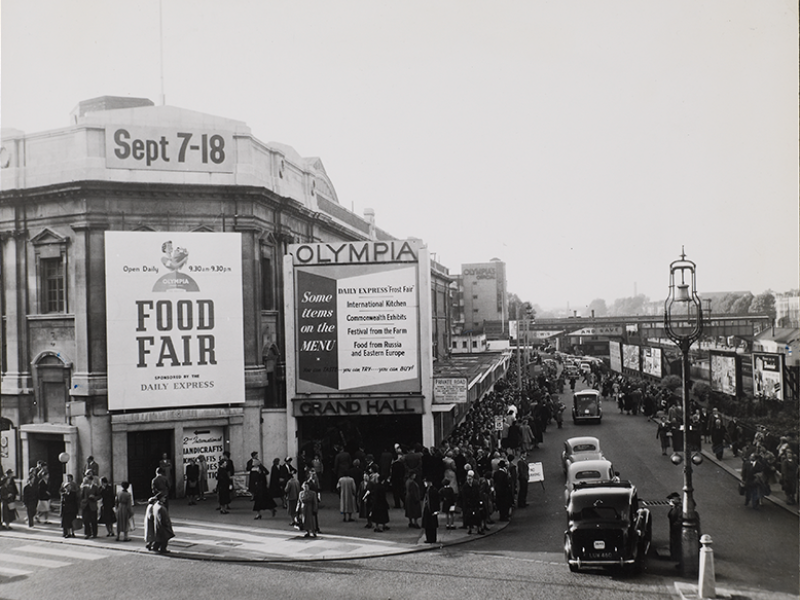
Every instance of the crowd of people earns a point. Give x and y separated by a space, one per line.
479 473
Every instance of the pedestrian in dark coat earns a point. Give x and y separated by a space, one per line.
69 506
89 493
502 490
718 437
413 498
789 474
108 499
664 434
430 511
30 498
224 485
277 480
262 498
471 503
379 507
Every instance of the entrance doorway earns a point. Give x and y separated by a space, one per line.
374 434
46 448
144 453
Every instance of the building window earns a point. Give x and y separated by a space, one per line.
52 282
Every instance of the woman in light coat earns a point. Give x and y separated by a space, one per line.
124 506
347 497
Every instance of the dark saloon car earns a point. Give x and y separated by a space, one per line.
607 528
587 405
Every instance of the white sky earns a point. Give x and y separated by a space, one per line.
582 142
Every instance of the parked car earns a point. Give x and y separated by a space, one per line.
580 448
607 528
587 405
586 472
586 366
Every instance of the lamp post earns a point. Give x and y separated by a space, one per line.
683 324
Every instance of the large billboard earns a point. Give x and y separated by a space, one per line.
174 319
615 356
768 375
651 361
723 373
356 317
630 357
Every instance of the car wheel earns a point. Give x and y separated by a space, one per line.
573 568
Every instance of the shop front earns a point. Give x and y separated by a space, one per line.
371 425
141 441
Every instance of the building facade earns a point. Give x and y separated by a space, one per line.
87 210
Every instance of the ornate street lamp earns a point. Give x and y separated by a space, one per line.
683 324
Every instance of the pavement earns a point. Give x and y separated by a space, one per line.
203 533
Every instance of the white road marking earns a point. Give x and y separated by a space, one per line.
13 572
32 561
63 552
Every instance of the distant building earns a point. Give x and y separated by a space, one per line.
787 310
485 297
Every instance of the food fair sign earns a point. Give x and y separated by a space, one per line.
174 319
356 324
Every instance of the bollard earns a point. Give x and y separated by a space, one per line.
706 586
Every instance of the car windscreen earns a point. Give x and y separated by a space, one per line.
591 506
584 448
586 403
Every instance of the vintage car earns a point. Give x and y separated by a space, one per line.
585 472
580 448
607 528
587 405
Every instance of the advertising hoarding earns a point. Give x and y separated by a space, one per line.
630 357
356 317
174 319
651 361
615 356
768 375
723 373
208 442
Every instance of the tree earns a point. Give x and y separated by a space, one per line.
633 305
599 307
741 305
764 304
517 309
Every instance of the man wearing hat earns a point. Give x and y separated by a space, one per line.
430 510
471 503
158 525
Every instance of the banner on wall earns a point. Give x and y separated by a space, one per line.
630 357
356 320
724 376
651 361
768 375
174 319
